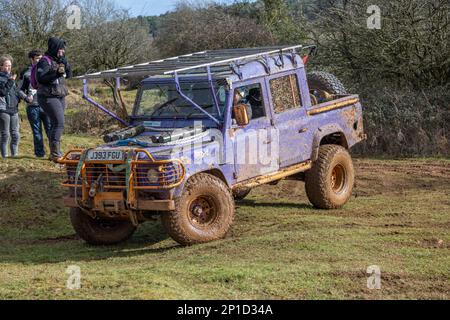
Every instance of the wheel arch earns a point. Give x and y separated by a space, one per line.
214 172
218 174
331 134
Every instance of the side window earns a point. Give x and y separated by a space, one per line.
285 93
251 95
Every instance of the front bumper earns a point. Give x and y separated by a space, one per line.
121 186
103 202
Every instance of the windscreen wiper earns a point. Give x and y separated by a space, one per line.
165 104
193 112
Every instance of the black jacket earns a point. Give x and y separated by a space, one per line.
51 83
9 95
25 87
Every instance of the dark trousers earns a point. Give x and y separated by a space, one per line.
9 134
37 117
54 108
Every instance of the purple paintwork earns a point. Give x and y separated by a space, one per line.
96 104
296 133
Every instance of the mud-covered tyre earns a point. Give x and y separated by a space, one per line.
329 183
240 194
204 212
323 85
98 231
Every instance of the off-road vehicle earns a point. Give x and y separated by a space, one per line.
206 128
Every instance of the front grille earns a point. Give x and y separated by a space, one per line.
113 177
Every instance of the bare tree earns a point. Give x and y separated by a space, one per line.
109 37
412 45
27 24
198 27
401 71
285 24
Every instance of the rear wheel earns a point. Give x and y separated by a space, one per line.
100 231
329 183
204 212
323 86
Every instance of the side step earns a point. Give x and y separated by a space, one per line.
286 172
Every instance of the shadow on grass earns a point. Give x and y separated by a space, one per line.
34 225
39 213
147 240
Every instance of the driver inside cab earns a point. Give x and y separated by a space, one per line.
240 98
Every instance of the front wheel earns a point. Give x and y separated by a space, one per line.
204 212
100 231
329 183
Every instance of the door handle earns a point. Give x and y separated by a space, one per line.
267 142
303 130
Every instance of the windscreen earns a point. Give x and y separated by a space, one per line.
158 101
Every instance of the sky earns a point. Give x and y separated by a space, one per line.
151 7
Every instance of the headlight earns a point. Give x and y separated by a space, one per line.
74 156
153 174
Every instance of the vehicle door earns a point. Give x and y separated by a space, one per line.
254 145
290 118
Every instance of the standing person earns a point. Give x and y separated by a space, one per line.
36 115
51 72
9 108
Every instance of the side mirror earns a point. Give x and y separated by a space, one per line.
241 115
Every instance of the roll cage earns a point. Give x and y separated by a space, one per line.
205 64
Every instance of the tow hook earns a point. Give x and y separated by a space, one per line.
94 186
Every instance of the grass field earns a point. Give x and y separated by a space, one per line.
279 248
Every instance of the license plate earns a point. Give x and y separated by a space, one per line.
105 155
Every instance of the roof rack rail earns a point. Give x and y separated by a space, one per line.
218 61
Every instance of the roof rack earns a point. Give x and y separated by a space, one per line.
218 62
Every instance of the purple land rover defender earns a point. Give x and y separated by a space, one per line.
205 129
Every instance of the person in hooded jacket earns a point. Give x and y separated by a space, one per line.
51 72
10 97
